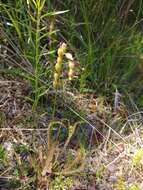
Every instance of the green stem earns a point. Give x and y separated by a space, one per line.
55 104
36 61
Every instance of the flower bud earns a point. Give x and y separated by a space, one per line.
62 49
71 65
55 84
56 76
58 68
69 56
71 74
59 60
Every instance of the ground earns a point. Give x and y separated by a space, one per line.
112 159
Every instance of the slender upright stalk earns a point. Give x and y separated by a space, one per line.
37 58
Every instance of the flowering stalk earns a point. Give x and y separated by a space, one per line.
58 66
71 65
